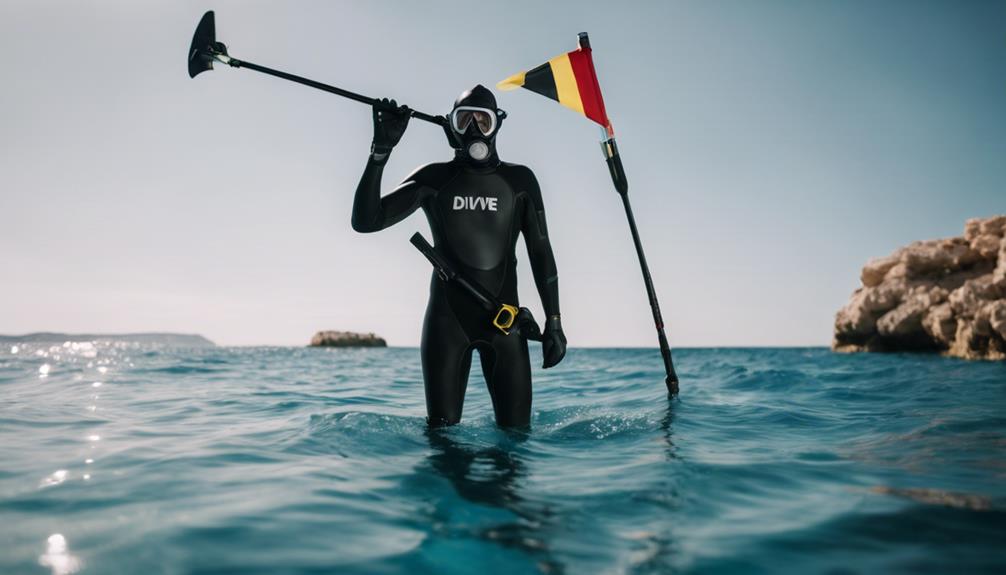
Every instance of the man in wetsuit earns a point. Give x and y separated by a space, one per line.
476 206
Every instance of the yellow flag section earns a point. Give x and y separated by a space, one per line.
565 83
569 79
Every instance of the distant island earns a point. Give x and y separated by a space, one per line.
167 339
346 339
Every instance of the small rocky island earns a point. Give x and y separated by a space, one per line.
945 295
346 339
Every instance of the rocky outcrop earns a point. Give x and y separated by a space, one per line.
938 295
346 339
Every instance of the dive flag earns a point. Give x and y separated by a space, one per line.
568 79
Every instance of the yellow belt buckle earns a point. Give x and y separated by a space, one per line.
509 314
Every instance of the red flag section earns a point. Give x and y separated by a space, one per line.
586 82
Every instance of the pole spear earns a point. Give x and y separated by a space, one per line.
204 50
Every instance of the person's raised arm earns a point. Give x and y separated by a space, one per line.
371 212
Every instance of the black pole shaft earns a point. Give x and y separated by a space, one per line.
658 320
324 87
614 162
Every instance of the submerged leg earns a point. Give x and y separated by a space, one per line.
447 359
506 366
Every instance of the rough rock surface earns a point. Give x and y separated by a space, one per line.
346 339
944 295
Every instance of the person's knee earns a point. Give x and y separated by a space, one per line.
443 420
515 422
515 415
443 405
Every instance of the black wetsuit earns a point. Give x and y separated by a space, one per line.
475 214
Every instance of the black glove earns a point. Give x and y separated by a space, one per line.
553 342
390 121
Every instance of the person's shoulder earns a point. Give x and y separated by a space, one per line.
520 174
432 173
515 167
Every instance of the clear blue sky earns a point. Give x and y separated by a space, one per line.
771 149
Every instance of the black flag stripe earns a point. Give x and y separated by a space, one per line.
541 81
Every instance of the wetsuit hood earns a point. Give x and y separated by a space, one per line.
472 146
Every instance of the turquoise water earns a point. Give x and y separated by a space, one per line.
126 459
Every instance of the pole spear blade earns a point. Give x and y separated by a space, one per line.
201 50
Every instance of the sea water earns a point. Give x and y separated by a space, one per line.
118 458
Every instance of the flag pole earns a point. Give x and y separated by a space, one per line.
614 161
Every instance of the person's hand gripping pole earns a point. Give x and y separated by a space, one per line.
390 122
